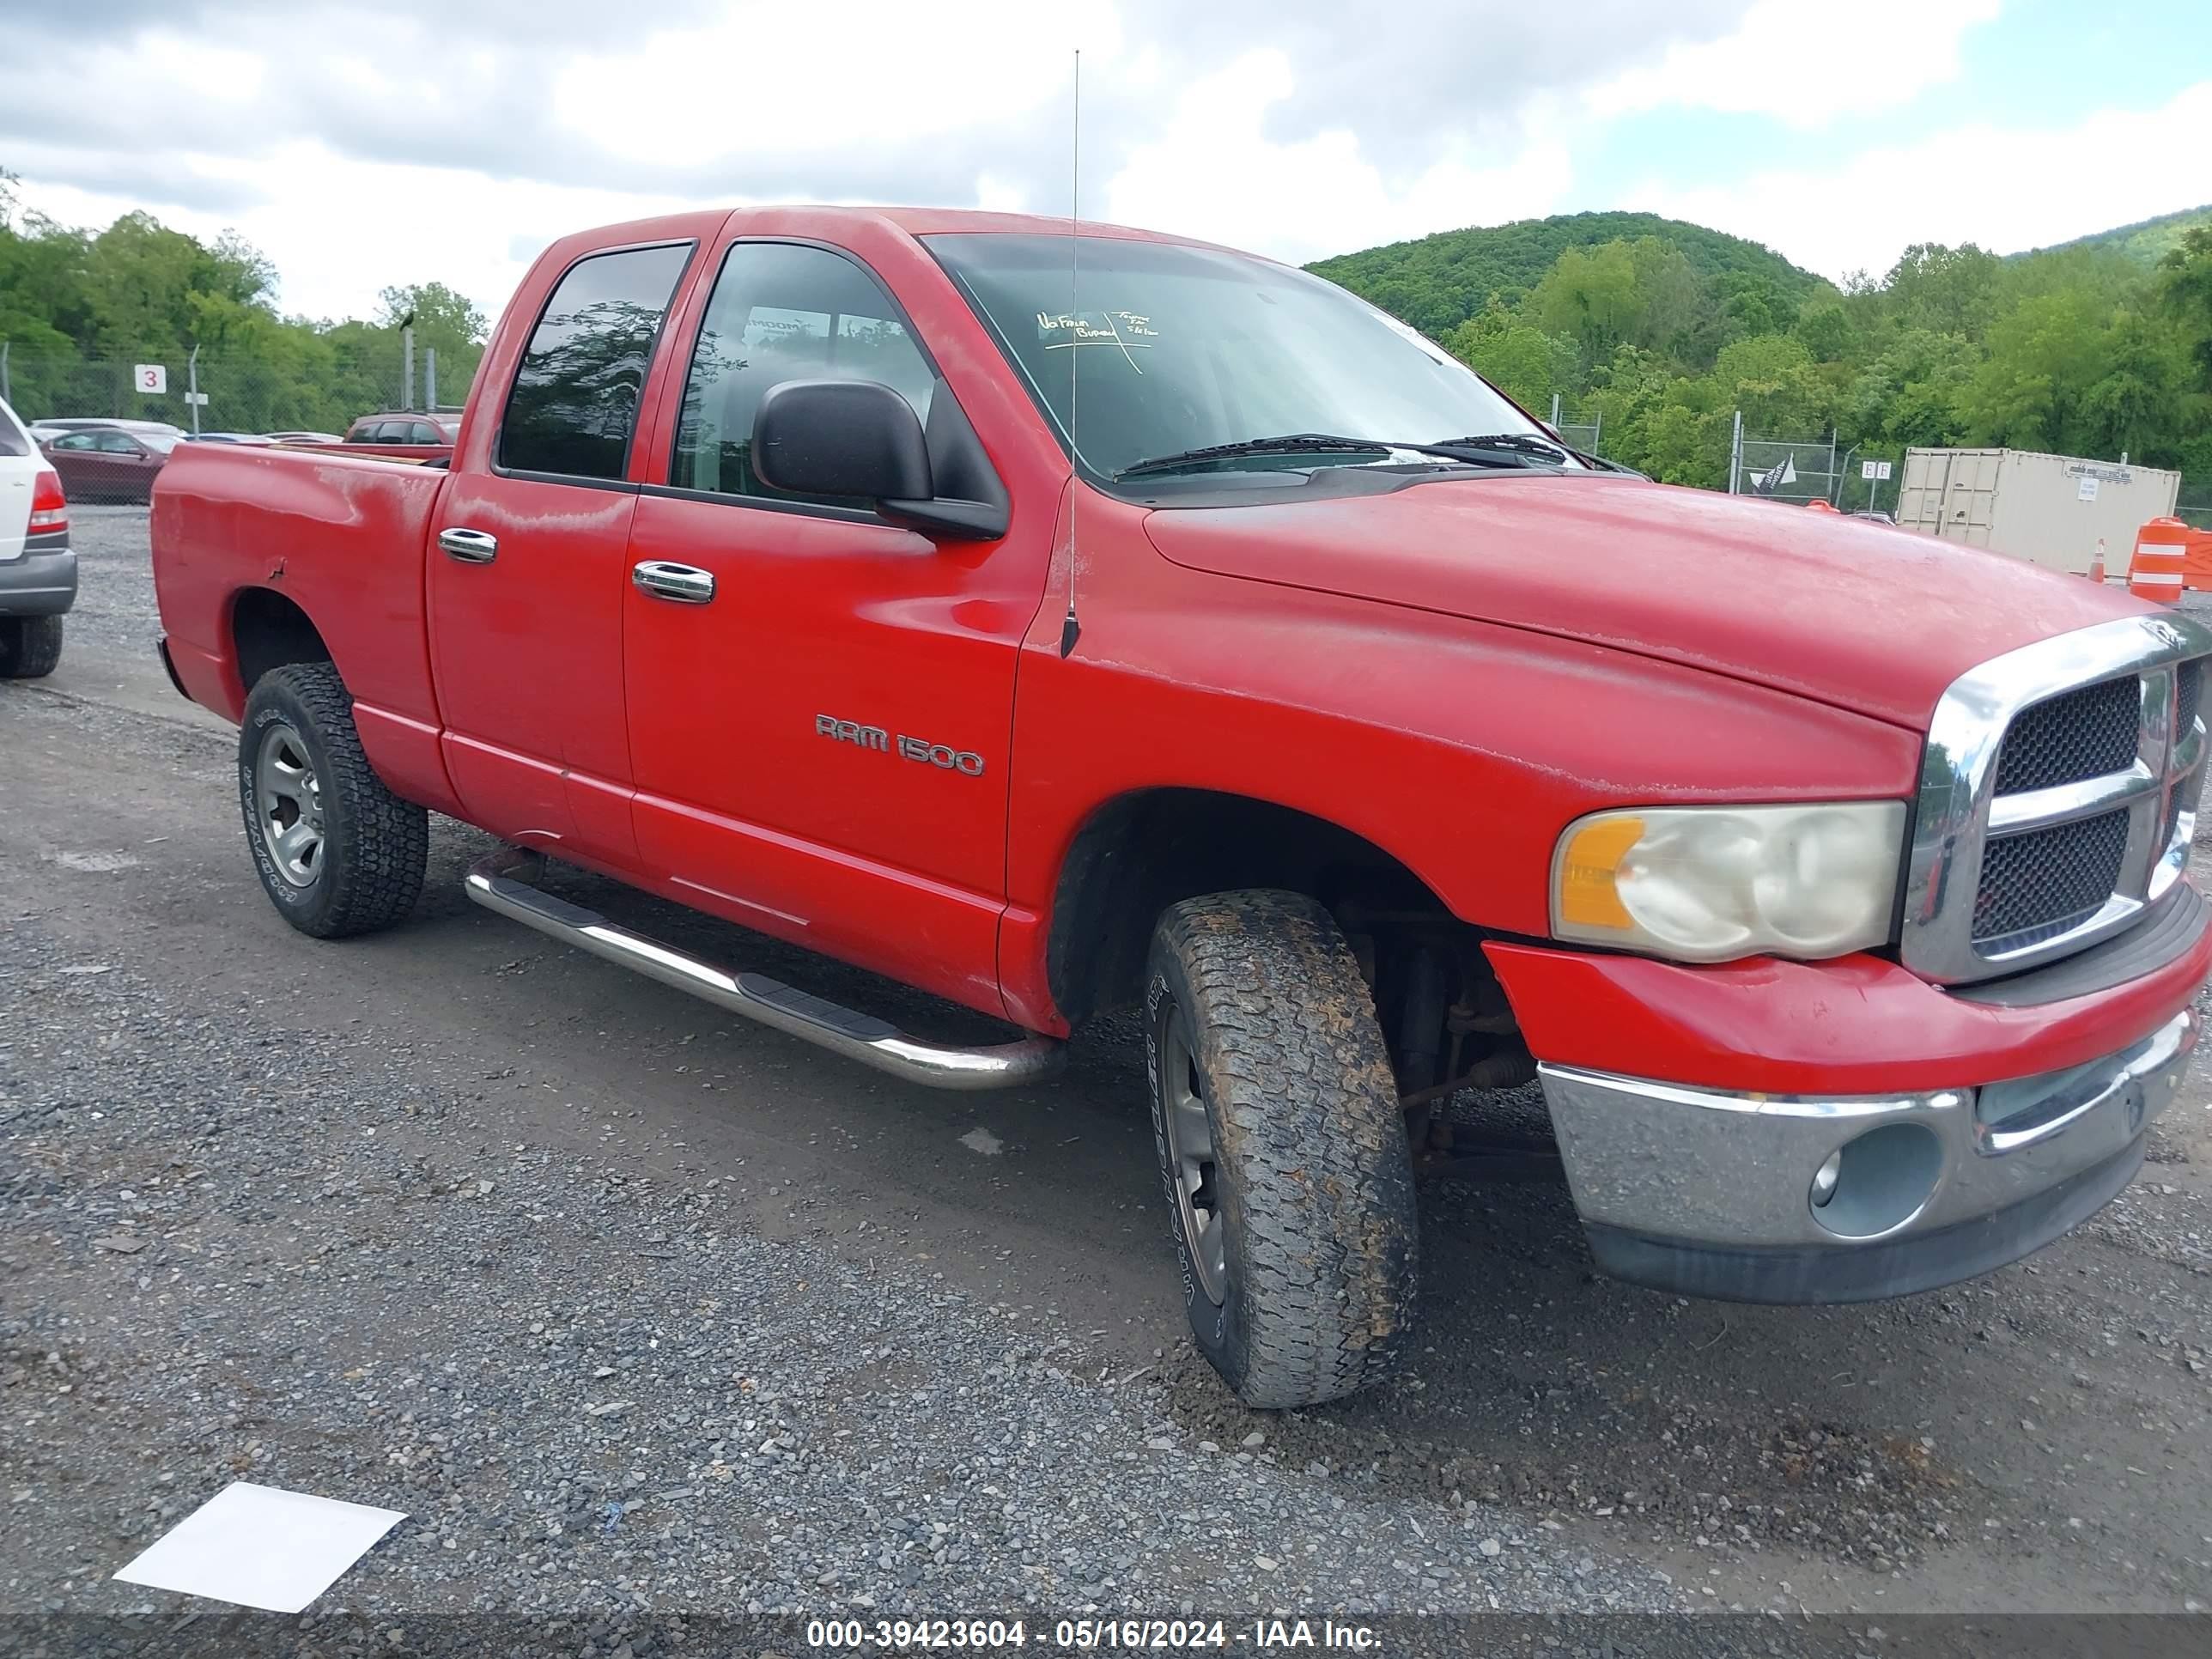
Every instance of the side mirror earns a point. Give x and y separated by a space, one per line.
861 438
841 438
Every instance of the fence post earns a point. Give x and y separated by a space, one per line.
430 377
193 388
1555 411
407 383
1735 453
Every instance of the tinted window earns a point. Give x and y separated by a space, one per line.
115 443
73 440
574 401
422 432
779 313
12 439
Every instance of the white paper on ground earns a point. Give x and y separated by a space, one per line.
261 1547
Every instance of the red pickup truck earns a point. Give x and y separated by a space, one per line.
1074 622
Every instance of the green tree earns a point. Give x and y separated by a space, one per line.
2184 295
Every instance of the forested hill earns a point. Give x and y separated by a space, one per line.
2146 241
1441 280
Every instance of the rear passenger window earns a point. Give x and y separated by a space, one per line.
782 312
421 433
575 403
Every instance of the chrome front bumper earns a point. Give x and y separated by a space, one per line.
1715 1194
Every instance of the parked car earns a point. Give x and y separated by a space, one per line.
404 429
43 429
109 463
1836 893
303 437
38 571
227 438
1878 516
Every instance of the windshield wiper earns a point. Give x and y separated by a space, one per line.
1513 443
1293 443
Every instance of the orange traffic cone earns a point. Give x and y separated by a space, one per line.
2097 564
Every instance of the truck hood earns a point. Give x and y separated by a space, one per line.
1863 616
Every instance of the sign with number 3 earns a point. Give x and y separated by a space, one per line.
151 378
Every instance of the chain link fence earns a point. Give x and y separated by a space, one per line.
2194 505
1797 470
228 393
1577 428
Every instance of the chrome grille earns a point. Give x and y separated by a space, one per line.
2082 734
2047 879
2057 798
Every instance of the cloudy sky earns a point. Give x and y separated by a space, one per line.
449 140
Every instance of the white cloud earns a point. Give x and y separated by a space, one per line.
1211 172
449 138
2004 188
1805 64
749 87
340 230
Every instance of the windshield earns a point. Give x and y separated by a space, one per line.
1176 349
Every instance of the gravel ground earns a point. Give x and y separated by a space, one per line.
239 1248
640 1311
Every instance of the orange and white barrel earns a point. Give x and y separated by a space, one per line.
2155 571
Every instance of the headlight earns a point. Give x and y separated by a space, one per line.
1706 883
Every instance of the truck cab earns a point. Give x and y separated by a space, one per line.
1070 623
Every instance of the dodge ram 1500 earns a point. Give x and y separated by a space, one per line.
1072 621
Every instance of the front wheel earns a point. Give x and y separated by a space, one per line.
1276 1121
338 853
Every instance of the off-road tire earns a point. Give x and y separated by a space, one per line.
1312 1175
374 844
30 647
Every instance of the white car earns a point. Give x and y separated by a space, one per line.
38 571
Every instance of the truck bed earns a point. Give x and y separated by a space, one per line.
341 535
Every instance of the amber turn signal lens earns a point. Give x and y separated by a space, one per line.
1587 895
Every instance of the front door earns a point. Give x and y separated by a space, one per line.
526 564
820 702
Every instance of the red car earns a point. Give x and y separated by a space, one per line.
404 435
109 463
1175 633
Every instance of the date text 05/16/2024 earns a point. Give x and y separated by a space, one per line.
1088 1635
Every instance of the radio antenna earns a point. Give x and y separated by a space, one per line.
1071 630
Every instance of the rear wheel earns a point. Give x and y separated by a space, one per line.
1276 1121
30 647
338 853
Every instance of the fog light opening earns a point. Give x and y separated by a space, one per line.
1824 1178
1877 1183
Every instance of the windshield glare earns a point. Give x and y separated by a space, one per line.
1176 347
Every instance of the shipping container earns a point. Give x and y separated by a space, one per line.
2055 510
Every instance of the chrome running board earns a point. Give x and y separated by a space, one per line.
506 882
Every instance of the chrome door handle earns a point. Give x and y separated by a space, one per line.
469 546
683 583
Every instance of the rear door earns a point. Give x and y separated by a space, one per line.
527 568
